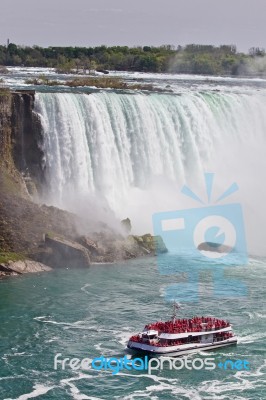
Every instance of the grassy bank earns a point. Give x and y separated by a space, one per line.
5 257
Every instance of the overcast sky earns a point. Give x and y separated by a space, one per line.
133 22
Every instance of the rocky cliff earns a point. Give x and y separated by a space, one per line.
27 140
33 231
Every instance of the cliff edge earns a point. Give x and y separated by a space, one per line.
33 231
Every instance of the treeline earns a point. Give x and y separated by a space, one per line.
192 59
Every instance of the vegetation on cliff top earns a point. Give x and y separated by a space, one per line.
4 91
101 82
107 82
192 59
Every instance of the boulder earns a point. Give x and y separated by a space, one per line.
65 253
102 71
214 247
160 247
126 225
90 245
144 245
154 244
22 267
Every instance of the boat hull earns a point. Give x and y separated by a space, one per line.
176 351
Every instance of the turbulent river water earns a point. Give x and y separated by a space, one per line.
131 153
88 313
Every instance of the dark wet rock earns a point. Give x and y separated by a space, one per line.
214 247
27 140
103 71
61 252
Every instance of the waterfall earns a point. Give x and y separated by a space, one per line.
128 149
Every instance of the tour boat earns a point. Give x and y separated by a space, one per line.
179 337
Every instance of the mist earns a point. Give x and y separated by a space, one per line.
132 159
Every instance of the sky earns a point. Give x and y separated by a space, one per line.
133 22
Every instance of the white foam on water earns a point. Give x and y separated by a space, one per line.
187 77
256 262
38 391
218 387
123 337
208 390
211 390
17 354
91 293
75 392
249 314
254 315
98 347
253 337
113 336
69 325
138 394
3 378
204 353
259 315
32 70
84 287
163 385
53 339
256 373
233 355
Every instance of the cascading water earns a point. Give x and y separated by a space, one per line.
134 151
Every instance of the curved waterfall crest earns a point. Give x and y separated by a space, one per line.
110 145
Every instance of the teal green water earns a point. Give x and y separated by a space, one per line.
86 313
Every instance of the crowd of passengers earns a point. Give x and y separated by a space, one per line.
165 343
223 336
155 342
195 324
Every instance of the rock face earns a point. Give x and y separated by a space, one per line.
126 225
111 247
214 247
27 139
154 244
91 246
6 160
22 267
23 222
60 252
